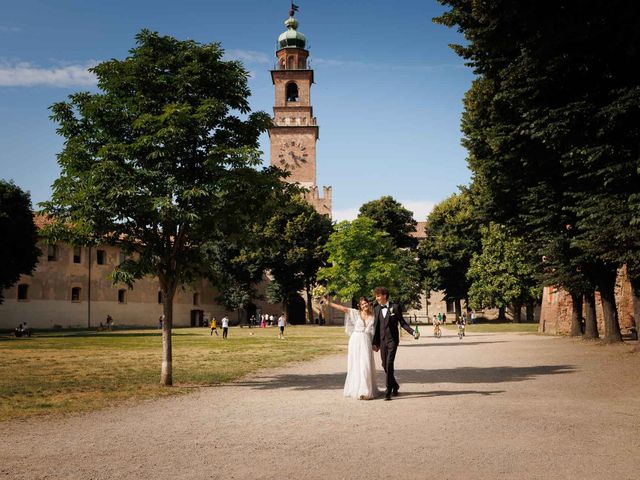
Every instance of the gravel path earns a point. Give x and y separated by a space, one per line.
490 407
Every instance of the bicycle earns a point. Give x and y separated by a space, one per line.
437 331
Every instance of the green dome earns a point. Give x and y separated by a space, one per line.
291 38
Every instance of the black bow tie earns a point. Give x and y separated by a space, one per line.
384 306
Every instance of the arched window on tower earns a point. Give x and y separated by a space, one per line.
291 63
301 64
292 92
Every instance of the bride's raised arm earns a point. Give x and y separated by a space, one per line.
341 308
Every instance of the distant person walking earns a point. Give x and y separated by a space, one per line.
160 321
473 317
214 327
282 321
263 321
225 327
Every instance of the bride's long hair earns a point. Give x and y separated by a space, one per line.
368 310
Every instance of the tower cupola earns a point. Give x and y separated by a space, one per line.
292 38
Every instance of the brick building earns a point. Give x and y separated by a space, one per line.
555 315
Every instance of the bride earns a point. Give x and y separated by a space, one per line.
361 369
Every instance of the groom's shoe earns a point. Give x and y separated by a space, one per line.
387 395
395 391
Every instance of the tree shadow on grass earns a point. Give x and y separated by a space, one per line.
461 375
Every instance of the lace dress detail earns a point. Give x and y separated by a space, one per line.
361 370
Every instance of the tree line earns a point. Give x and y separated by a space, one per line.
551 127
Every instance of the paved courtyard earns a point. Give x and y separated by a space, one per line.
492 406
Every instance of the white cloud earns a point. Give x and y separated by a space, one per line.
24 74
249 56
420 209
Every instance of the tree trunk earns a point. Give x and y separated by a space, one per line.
502 314
590 321
576 315
309 305
530 312
635 302
458 308
166 374
610 314
517 312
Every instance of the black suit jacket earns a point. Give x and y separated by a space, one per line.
386 328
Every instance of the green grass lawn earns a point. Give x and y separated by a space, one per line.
52 373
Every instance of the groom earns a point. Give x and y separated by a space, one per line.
386 337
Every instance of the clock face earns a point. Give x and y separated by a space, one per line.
292 155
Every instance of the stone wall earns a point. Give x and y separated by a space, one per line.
555 315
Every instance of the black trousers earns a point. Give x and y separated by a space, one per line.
225 330
388 356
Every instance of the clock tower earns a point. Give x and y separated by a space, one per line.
294 132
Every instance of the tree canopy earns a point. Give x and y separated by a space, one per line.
359 259
18 236
391 217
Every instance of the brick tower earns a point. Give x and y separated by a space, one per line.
294 132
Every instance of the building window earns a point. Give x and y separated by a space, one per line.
196 298
77 254
75 294
292 92
451 306
160 297
122 296
52 253
101 257
23 292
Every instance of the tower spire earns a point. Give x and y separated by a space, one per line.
294 8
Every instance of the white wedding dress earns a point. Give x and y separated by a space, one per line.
361 369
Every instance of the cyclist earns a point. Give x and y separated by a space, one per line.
461 322
437 331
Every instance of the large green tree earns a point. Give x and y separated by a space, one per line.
501 274
18 236
295 238
360 259
390 216
160 160
453 236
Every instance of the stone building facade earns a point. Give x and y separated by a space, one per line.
71 288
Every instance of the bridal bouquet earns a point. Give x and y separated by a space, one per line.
319 293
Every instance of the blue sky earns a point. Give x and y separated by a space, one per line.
388 92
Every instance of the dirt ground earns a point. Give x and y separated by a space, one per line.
492 406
